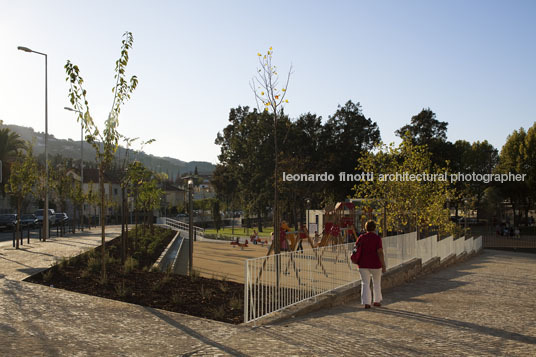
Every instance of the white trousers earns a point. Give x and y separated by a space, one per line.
376 275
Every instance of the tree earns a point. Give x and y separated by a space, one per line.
247 153
528 166
348 134
62 184
10 144
78 198
21 181
264 86
425 129
225 182
516 158
149 199
407 203
105 142
478 157
137 175
216 216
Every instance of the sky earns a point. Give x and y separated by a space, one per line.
471 62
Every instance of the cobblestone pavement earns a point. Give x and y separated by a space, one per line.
484 306
31 258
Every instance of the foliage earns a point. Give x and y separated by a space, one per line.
104 142
245 173
62 184
425 129
407 203
216 215
22 180
10 144
348 134
518 156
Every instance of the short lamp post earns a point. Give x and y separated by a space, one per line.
190 227
45 211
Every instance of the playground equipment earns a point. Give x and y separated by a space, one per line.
238 244
339 228
291 240
339 225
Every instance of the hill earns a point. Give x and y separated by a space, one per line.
71 149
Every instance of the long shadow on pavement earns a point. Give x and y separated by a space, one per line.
193 333
458 324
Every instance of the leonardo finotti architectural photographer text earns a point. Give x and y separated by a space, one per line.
405 176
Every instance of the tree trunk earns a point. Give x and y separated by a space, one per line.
123 255
259 219
103 223
136 216
276 244
17 227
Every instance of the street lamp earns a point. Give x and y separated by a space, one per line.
308 201
81 158
190 226
45 213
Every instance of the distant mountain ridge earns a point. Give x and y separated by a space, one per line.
71 149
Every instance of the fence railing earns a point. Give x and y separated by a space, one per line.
180 226
275 282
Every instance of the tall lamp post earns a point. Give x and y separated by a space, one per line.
190 227
308 221
81 160
45 213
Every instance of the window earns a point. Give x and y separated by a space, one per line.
115 191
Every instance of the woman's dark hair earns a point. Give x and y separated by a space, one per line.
370 226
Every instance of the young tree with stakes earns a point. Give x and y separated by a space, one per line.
264 86
105 142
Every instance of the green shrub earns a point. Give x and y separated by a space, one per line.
236 303
93 264
121 290
130 265
194 275
206 293
177 299
103 280
47 276
218 312
223 287
167 279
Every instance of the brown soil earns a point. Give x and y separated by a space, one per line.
197 296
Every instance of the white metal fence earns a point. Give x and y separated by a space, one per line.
277 281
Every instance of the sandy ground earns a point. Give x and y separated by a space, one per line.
219 259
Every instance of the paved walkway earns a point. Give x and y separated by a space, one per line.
485 306
36 256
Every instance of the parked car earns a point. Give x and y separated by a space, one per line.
472 221
51 216
8 221
61 218
28 220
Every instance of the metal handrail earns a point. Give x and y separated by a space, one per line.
181 226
